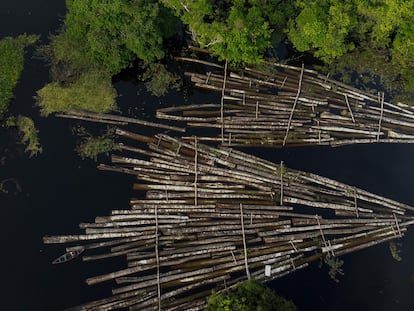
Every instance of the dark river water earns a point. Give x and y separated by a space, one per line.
59 190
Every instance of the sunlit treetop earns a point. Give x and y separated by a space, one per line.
111 34
238 31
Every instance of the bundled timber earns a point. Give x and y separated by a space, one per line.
212 217
290 106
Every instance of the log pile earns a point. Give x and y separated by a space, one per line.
290 106
212 217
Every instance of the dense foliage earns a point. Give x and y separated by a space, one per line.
11 66
93 91
99 39
239 31
111 34
339 33
249 296
372 37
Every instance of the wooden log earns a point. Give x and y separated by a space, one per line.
114 119
294 105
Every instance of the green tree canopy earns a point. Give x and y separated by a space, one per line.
249 296
330 28
337 31
111 34
323 27
238 30
11 65
93 91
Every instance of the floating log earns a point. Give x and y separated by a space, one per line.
210 217
113 119
290 106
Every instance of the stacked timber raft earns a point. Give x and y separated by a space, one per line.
290 106
212 217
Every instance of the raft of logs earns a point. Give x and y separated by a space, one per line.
290 106
207 218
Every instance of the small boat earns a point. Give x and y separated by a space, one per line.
68 256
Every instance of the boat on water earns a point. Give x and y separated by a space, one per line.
68 256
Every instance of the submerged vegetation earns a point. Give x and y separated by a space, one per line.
335 267
92 146
12 52
394 250
158 80
249 296
11 65
26 127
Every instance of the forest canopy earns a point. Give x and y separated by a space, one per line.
359 34
239 31
111 34
373 38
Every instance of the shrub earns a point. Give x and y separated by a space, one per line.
93 91
158 79
29 133
249 296
91 146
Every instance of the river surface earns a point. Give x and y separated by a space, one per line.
59 191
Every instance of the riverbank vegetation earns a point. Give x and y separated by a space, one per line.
97 41
12 52
368 43
373 39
